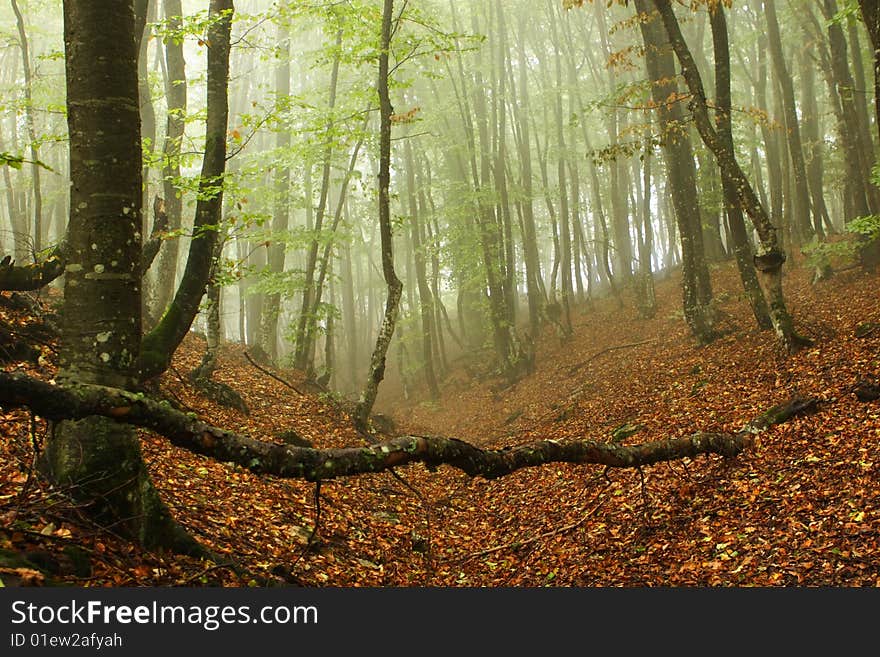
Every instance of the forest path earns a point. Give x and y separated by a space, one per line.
618 367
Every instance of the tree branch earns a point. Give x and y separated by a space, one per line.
59 402
160 226
22 278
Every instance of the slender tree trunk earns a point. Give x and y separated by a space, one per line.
801 227
159 345
849 131
268 339
742 248
30 126
871 16
175 125
395 287
813 149
307 312
680 174
771 143
426 298
529 233
865 141
647 300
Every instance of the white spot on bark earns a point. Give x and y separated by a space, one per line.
82 206
99 269
126 210
73 267
103 337
94 247
105 357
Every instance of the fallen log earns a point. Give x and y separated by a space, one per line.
61 402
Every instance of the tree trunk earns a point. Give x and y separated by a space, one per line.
96 459
426 298
377 363
856 168
770 257
31 128
680 174
871 16
308 309
801 227
268 338
159 345
175 124
742 248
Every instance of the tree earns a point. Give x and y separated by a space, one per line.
680 173
802 227
770 257
175 124
395 287
871 15
98 460
31 130
158 345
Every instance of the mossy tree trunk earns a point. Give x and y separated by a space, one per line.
159 344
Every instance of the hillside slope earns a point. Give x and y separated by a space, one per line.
800 508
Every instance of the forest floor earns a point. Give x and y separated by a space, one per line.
801 507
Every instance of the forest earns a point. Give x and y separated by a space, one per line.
439 294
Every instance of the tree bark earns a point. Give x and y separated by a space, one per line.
158 346
770 257
742 248
801 201
175 124
871 15
680 173
57 402
97 460
364 406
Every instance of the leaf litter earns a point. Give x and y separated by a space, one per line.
801 507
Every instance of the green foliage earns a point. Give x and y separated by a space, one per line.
17 161
823 255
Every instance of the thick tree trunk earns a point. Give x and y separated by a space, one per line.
96 460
